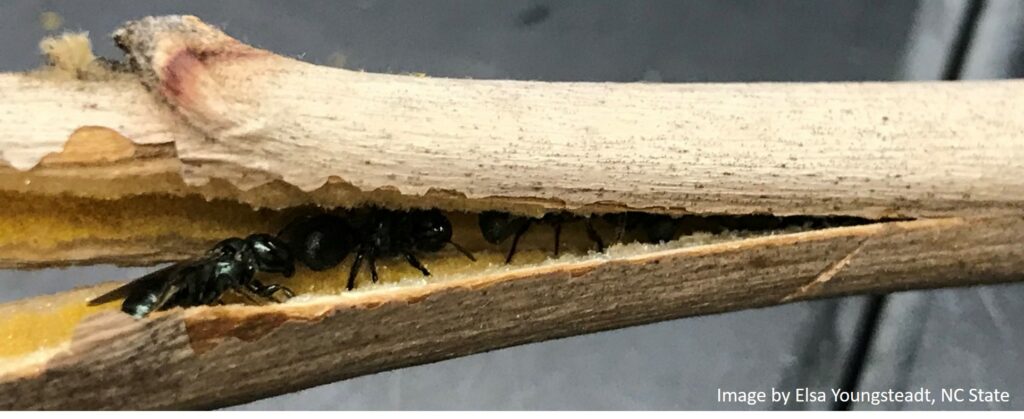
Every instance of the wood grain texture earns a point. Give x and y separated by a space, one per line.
203 115
249 117
40 113
874 148
216 356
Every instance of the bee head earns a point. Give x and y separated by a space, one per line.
431 230
271 254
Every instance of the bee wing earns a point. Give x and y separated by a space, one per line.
152 280
151 291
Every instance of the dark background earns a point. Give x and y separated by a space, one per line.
959 338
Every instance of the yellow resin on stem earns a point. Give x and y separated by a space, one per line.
26 327
45 222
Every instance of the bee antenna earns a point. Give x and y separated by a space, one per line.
463 250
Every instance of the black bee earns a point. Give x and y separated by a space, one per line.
323 241
230 265
652 228
498 226
320 241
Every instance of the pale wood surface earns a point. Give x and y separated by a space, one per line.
872 149
40 113
251 117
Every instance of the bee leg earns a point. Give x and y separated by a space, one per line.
268 291
592 233
558 236
373 268
411 258
515 242
284 290
247 295
621 228
355 270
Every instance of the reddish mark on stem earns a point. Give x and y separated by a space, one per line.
179 75
206 334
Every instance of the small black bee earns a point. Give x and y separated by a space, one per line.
323 241
230 265
498 226
320 241
652 228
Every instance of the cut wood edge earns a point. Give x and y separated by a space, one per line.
241 352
